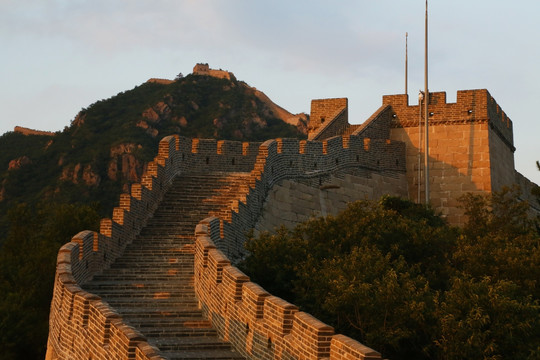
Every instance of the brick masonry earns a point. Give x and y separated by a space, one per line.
329 117
471 150
82 325
470 147
292 202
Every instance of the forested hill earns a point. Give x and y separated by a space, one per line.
54 185
107 144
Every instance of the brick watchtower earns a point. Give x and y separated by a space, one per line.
470 145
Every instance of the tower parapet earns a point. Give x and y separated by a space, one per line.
471 106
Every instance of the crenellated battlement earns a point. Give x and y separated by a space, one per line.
259 325
471 150
476 106
471 146
81 323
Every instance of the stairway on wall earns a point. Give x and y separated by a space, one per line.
151 285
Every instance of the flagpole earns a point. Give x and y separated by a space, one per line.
406 63
426 113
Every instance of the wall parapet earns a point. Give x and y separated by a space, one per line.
89 253
259 325
313 161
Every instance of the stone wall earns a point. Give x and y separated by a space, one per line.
27 131
259 325
291 202
82 326
204 69
310 162
526 186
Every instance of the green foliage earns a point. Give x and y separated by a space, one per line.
487 319
363 270
394 276
500 240
27 267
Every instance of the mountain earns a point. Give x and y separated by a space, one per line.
107 144
53 185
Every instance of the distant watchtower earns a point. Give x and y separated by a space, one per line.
201 69
204 69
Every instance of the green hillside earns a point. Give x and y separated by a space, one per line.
75 165
51 187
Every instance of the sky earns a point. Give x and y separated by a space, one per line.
59 56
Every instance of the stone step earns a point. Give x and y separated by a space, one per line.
157 247
148 303
165 280
199 344
151 285
157 271
141 294
133 266
154 256
186 321
156 277
160 313
136 260
202 354
167 333
144 293
161 254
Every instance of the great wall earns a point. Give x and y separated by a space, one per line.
158 281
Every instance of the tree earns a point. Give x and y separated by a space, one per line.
487 319
394 276
27 268
491 309
362 271
500 240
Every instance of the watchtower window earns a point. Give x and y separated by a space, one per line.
322 119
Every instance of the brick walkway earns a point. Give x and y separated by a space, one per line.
151 285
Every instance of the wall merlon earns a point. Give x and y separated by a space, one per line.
233 280
168 145
253 299
343 347
279 314
118 215
216 262
136 191
105 227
